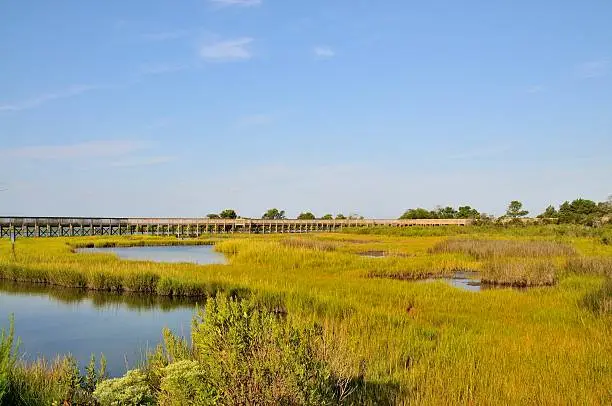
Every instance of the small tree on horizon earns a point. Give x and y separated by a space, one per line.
327 217
306 216
418 213
549 213
228 214
274 214
515 210
467 212
340 216
213 216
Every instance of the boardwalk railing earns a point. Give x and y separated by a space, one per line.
189 227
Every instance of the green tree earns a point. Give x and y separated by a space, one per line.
579 211
340 216
327 217
549 213
274 214
228 214
515 210
466 212
418 213
213 216
444 213
306 216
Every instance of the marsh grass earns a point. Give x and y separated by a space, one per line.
45 382
523 272
423 343
522 231
424 267
590 265
487 249
600 301
309 244
7 360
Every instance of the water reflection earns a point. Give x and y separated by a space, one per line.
52 321
196 254
471 282
97 299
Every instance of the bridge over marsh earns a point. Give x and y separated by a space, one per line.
190 227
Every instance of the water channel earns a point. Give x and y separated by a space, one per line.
51 321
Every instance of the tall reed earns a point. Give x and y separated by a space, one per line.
486 249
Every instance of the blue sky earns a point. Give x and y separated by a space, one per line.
182 108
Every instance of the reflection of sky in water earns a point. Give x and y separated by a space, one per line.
464 283
48 326
51 321
469 281
201 254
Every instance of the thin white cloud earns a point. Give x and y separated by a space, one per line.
165 35
324 52
143 161
227 50
36 101
594 69
237 3
92 149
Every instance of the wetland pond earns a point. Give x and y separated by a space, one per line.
196 254
52 321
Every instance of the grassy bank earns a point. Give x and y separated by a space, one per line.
421 343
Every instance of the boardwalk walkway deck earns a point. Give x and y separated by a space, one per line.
188 227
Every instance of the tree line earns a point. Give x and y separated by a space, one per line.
579 211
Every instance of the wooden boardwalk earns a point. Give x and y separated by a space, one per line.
188 227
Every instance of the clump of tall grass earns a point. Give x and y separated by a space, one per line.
302 243
519 272
486 249
7 360
52 383
590 265
600 301
421 267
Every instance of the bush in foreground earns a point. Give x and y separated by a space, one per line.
240 354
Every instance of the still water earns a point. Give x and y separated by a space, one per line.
51 321
199 254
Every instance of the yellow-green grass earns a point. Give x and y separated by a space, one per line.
424 343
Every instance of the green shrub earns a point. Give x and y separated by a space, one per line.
129 390
244 355
185 383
